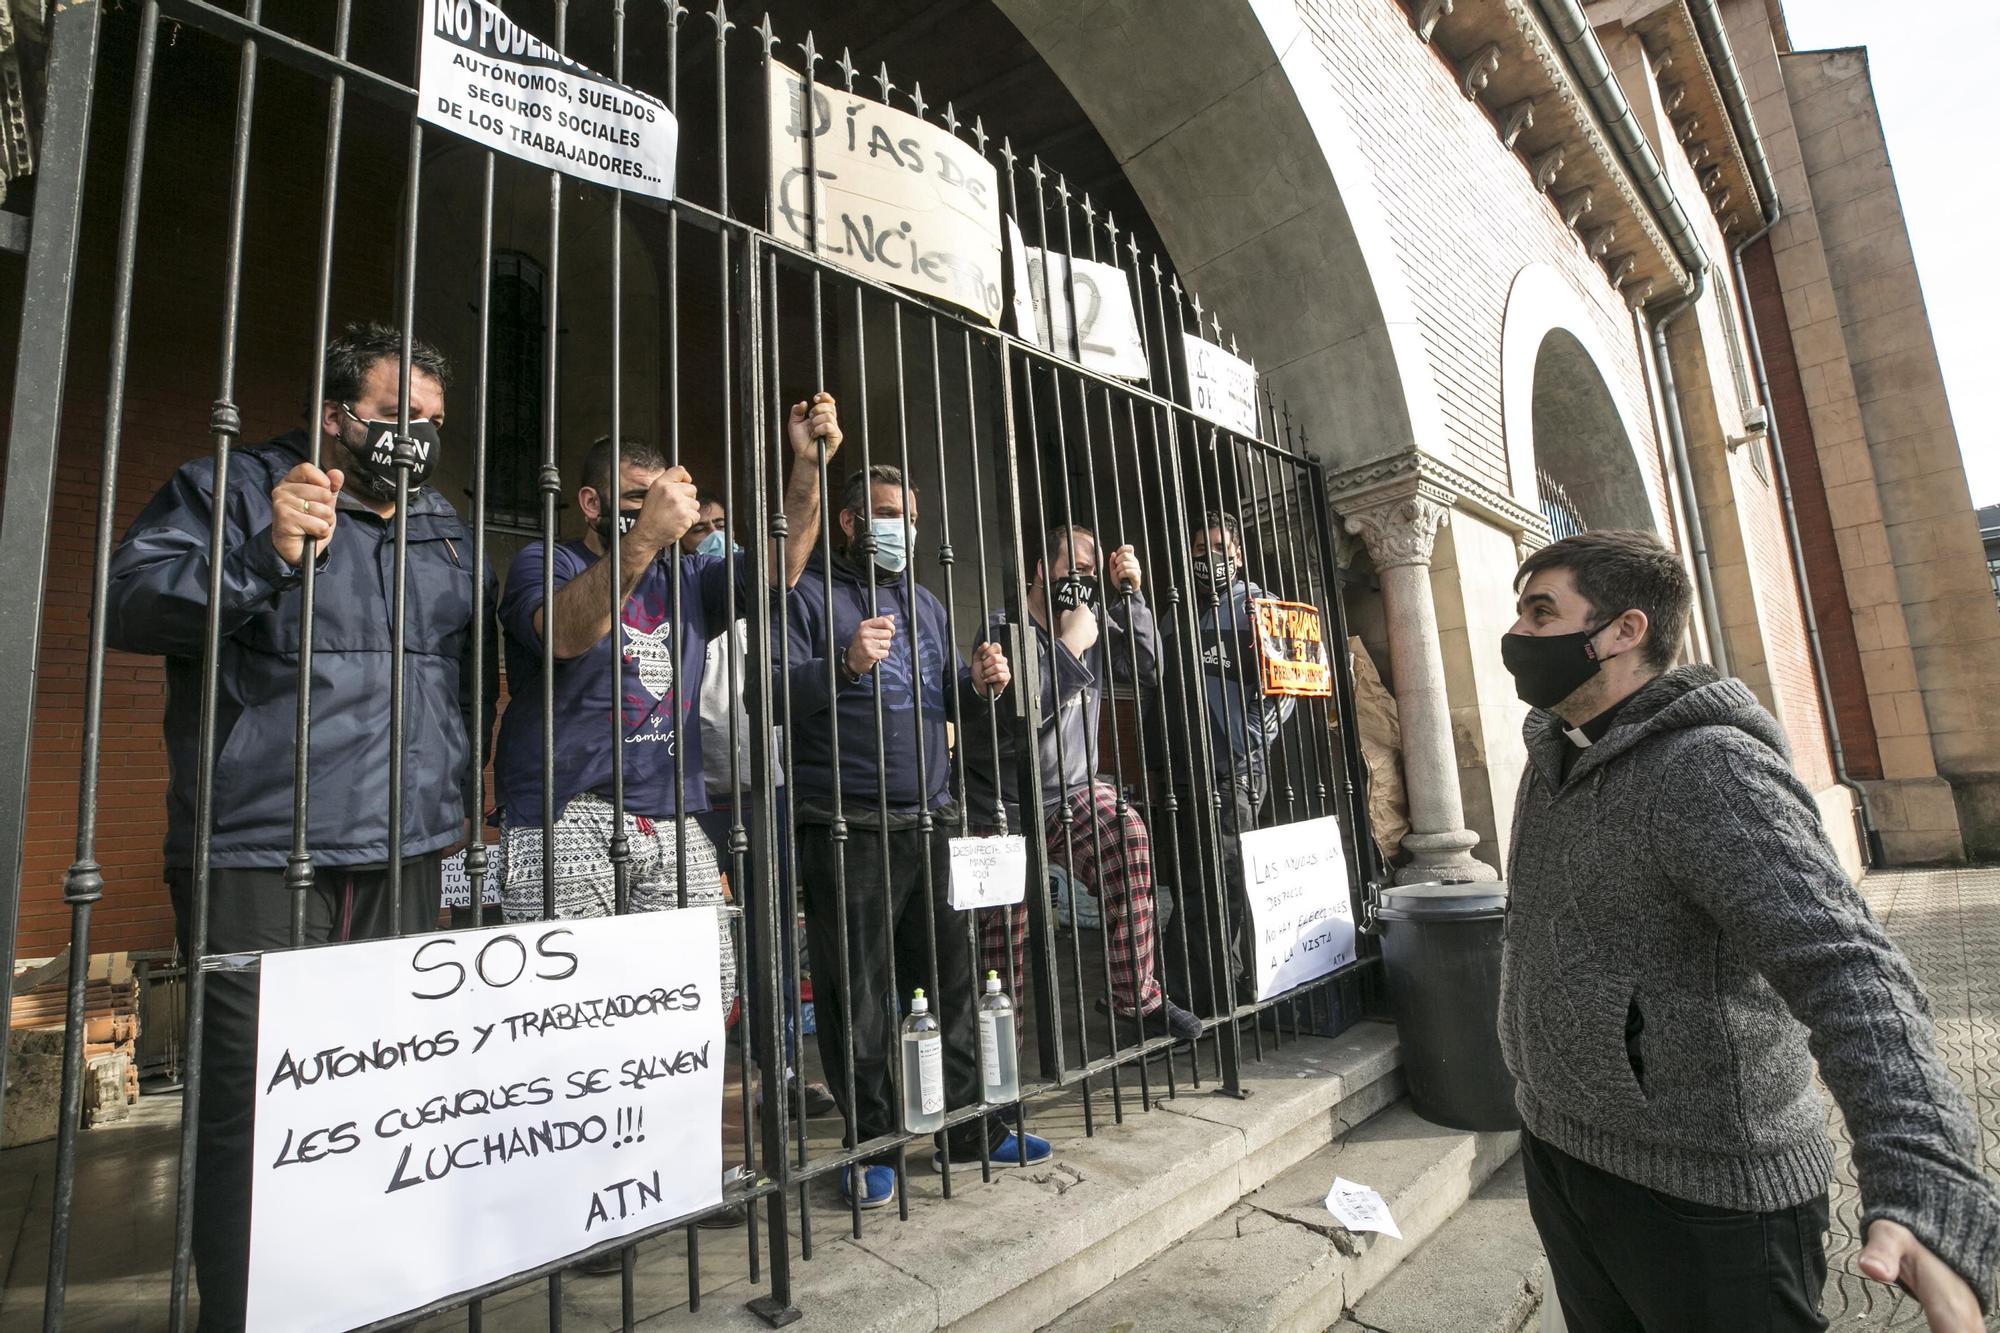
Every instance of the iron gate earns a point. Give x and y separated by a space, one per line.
1010 442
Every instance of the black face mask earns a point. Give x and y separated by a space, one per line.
1214 574
625 520
1075 590
1548 668
373 465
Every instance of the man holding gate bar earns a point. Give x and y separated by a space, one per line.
1091 830
277 508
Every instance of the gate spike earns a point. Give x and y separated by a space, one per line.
722 23
979 133
1197 307
1132 244
764 32
1035 169
882 82
1062 188
951 119
676 11
1215 322
846 69
811 53
1089 213
917 98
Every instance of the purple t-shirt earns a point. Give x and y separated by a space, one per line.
583 688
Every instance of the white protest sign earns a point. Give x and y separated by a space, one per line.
1359 1208
988 872
483 77
458 883
1296 878
525 1090
1107 322
895 198
1221 387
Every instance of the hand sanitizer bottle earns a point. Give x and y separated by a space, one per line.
1000 1070
923 1069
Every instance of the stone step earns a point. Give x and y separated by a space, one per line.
1019 1252
1481 1273
1277 1261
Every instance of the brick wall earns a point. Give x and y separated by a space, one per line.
1466 218
1822 556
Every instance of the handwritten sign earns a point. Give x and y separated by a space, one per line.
1294 649
1296 878
1107 323
526 1090
458 884
895 198
483 77
988 872
1221 387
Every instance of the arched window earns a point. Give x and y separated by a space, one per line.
516 331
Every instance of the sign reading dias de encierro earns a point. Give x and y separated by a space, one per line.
485 78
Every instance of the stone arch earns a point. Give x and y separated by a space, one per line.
1558 410
1248 166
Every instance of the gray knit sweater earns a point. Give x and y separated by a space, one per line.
1678 887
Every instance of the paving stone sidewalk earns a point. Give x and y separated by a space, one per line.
1948 923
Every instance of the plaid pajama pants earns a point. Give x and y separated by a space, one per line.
1112 854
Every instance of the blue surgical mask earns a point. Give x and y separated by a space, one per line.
892 543
715 543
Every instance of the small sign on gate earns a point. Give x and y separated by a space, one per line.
1295 877
483 77
1221 387
1294 649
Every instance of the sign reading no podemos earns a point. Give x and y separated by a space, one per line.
1296 879
1294 649
895 198
1221 387
483 77
436 1112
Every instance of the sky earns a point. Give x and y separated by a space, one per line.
1930 61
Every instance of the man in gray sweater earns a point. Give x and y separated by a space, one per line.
1682 944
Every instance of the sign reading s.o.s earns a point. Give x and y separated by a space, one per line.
1293 649
891 196
483 76
527 1091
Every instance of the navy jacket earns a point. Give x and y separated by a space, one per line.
1243 723
158 604
940 677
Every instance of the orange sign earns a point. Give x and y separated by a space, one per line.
1293 649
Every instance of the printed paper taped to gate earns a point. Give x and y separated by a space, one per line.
1293 645
437 1112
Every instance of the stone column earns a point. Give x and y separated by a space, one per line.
1400 527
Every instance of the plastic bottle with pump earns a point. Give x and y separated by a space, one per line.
1000 1070
923 1069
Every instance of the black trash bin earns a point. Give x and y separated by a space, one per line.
1441 948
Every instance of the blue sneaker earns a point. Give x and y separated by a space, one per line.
878 1185
1014 1150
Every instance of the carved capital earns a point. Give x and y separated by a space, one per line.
1400 529
1599 241
1518 117
1547 166
1575 204
1477 68
1622 268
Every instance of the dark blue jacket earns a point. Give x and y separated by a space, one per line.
1243 723
941 678
158 604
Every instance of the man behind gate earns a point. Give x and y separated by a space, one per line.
278 512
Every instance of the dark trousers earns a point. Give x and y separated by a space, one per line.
252 910
887 918
745 887
1194 972
1627 1259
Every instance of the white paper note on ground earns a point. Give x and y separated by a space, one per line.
988 872
1359 1208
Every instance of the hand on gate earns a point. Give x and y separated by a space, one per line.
301 510
1077 628
1125 575
1894 1255
670 509
871 643
813 422
990 674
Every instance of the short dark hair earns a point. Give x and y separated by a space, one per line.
1226 522
597 463
854 499
1619 570
1062 533
703 499
355 352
